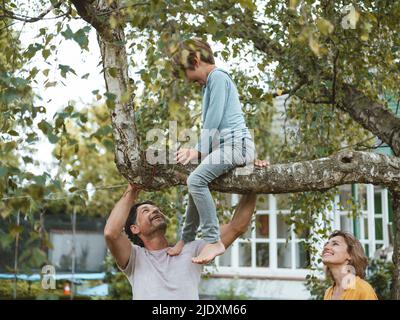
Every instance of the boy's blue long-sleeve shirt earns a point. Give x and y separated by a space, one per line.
221 110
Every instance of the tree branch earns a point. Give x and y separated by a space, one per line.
23 18
372 116
313 175
92 12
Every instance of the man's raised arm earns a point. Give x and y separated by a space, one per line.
242 216
117 241
240 220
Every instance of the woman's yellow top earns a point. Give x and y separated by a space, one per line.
361 291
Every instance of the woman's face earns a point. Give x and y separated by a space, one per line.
335 251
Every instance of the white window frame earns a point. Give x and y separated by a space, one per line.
298 273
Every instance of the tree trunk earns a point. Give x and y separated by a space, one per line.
115 63
396 244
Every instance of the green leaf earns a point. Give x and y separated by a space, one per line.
74 173
13 133
314 45
27 159
15 230
9 146
110 101
65 69
79 36
45 126
52 138
113 72
69 109
293 4
46 53
32 49
50 84
36 191
325 26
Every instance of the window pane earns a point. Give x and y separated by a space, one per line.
283 229
262 255
284 256
366 249
378 202
247 234
282 201
346 224
301 232
262 226
225 259
378 229
262 202
362 196
245 254
90 250
345 197
302 260
366 228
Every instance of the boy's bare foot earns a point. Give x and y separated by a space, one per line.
177 249
209 252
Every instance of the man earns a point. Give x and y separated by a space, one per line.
152 273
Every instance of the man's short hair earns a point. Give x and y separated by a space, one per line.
132 220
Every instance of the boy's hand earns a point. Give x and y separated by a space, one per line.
184 156
133 190
261 163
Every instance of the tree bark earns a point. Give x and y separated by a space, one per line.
373 116
396 244
314 175
115 68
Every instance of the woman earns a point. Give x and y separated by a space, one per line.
345 263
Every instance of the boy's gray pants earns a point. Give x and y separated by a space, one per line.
201 209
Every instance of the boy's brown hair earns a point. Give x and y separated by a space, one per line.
183 55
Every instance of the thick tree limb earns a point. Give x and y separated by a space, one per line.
92 12
314 175
372 116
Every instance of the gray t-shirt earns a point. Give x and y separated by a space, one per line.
154 275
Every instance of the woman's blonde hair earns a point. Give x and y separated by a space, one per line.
358 258
184 53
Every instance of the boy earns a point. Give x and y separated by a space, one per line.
231 144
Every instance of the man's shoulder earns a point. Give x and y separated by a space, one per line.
196 245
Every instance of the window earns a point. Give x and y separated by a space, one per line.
272 246
90 250
269 243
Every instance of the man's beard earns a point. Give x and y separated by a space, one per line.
160 227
